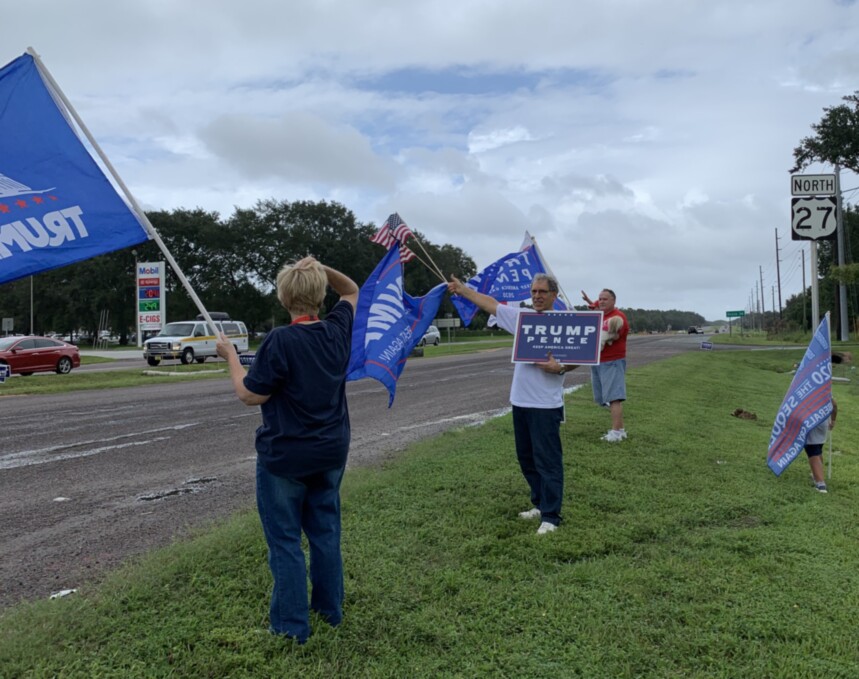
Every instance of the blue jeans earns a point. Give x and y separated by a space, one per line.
286 507
538 448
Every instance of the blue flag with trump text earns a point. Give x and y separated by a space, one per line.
56 205
389 323
807 403
507 280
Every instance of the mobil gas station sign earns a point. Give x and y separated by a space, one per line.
151 311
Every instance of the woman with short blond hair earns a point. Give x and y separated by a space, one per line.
298 378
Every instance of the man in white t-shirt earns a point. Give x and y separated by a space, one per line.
537 397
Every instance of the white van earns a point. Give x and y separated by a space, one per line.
191 341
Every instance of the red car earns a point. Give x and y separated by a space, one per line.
30 354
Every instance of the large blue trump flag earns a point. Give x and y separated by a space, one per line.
807 403
507 280
56 205
389 323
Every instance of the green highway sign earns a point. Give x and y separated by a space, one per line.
735 314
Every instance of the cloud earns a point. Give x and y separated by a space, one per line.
297 147
479 142
470 214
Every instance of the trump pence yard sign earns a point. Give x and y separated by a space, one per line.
573 337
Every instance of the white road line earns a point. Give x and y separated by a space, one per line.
470 418
52 453
45 458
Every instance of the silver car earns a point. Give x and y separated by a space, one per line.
431 336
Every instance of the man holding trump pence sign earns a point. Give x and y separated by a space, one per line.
537 391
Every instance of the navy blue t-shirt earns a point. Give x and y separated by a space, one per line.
305 423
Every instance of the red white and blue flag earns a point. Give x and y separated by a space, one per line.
395 230
56 205
807 403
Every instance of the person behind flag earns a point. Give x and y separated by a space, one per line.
537 397
608 379
298 377
814 449
806 405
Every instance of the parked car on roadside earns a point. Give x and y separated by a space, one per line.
431 336
29 354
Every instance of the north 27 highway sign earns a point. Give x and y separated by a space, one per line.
813 218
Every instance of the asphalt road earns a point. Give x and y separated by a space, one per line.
89 479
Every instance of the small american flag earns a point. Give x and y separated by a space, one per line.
400 229
384 237
395 230
406 255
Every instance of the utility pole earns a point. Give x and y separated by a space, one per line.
815 294
758 304
763 305
137 303
773 291
804 290
777 273
842 288
751 310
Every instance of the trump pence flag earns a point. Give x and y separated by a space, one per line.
808 402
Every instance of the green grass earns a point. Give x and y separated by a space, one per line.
467 346
134 377
92 360
50 383
759 339
681 555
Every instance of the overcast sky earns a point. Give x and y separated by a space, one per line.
646 145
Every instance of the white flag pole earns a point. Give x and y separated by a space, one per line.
563 295
829 471
138 211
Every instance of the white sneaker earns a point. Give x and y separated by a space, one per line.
615 435
532 513
546 527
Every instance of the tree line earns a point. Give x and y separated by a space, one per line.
796 314
651 320
231 264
